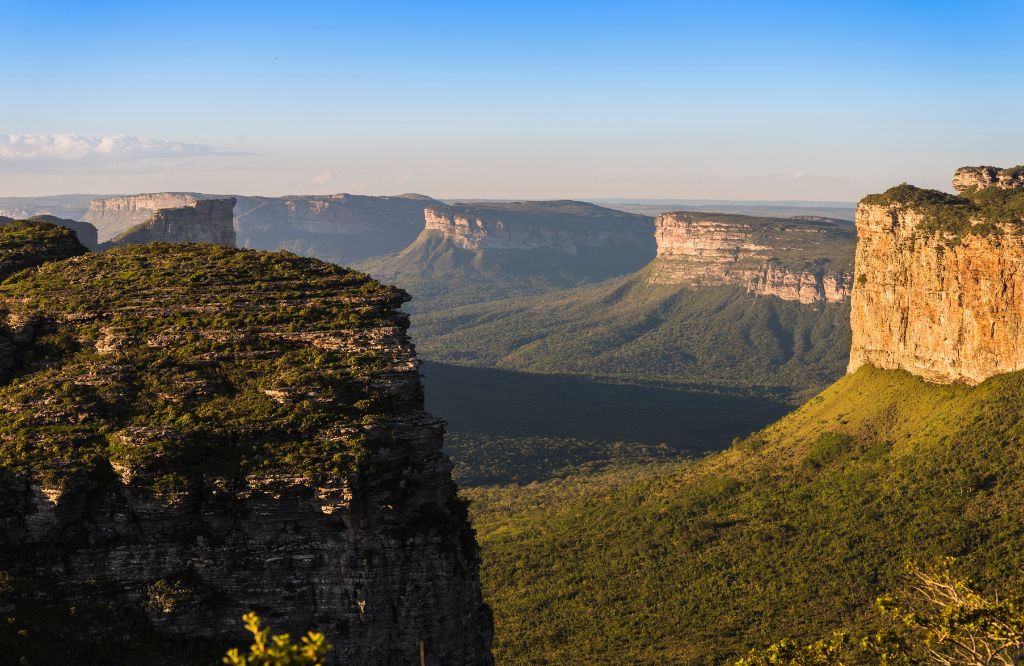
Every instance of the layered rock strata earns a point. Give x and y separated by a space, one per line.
806 260
561 226
202 221
202 431
940 280
113 216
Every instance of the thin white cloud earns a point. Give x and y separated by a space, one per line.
72 148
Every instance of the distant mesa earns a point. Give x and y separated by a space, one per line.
562 226
940 278
809 259
201 221
340 228
112 216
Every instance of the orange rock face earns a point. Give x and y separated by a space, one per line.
792 260
944 311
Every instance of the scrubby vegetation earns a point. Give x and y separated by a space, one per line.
277 650
177 360
793 532
25 243
976 211
629 329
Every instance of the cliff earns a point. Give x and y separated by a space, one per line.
114 215
85 232
202 221
807 260
561 226
340 228
940 279
198 431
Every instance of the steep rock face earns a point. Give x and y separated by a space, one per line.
201 431
202 221
805 260
561 226
340 228
939 285
113 216
982 177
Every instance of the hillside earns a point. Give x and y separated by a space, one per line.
791 532
193 431
470 253
628 327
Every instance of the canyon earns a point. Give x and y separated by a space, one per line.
196 431
803 260
940 286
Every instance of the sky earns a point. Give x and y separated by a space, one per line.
723 100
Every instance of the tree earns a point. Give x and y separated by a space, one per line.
938 619
267 650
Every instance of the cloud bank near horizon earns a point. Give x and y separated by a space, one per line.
71 151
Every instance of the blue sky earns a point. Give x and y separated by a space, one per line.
533 100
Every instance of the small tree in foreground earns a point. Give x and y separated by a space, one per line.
267 650
939 619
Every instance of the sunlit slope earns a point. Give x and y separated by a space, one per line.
791 532
629 328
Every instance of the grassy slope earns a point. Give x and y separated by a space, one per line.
627 328
440 274
792 532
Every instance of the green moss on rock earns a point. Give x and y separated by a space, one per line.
172 361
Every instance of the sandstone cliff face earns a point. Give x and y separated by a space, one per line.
115 215
982 177
798 260
561 226
202 221
217 431
946 309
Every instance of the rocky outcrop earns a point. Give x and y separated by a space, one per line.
341 228
202 221
85 232
113 216
937 297
982 177
28 243
561 226
807 260
216 431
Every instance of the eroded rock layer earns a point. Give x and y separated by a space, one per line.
806 260
560 226
940 281
113 216
200 431
202 221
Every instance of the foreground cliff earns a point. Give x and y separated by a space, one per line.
805 260
196 431
939 278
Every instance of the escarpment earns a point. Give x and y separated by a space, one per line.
113 216
340 228
807 260
202 221
939 290
562 226
197 431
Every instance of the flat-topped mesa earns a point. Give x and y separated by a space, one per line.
939 288
805 260
198 431
113 216
981 177
202 221
561 226
341 228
